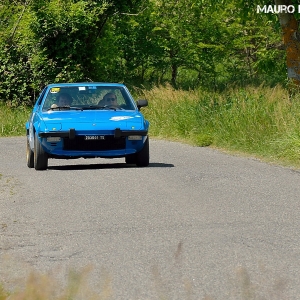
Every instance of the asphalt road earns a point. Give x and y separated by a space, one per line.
195 223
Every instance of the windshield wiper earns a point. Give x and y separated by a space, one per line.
98 107
92 107
88 107
64 108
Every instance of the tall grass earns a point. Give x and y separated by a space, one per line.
259 121
242 285
45 287
13 119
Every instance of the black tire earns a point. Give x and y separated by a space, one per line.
130 159
143 157
40 156
29 156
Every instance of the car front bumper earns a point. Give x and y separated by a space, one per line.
72 133
112 143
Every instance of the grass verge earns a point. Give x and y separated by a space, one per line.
13 119
261 121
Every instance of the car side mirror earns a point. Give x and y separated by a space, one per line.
141 103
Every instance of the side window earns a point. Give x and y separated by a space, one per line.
120 98
127 101
51 99
41 96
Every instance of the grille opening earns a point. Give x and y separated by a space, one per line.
109 143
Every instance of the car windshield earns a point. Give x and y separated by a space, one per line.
87 97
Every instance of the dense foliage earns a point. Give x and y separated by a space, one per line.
188 43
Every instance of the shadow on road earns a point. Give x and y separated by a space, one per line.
107 166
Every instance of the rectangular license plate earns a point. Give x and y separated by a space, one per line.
93 137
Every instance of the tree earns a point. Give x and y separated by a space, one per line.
185 42
14 67
68 33
288 17
291 38
44 41
211 42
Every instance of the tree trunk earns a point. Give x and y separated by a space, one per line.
174 67
291 39
174 75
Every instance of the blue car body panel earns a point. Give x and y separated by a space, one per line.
80 131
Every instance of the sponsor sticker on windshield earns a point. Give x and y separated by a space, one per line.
55 90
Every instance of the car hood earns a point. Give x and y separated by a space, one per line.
93 119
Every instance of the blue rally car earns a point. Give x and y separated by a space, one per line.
73 120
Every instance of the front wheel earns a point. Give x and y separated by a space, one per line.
29 155
142 158
40 156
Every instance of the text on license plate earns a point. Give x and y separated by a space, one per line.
93 137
